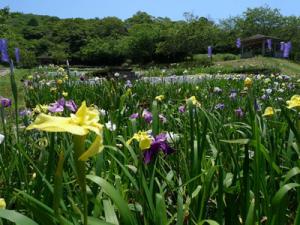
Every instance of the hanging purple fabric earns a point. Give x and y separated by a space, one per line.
281 46
269 43
238 43
17 54
3 48
289 46
286 50
209 51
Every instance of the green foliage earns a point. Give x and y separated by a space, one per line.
141 38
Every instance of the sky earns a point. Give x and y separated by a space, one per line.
174 9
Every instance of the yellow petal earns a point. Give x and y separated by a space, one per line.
143 138
57 124
129 141
145 143
95 148
95 127
2 203
160 98
294 102
85 115
269 111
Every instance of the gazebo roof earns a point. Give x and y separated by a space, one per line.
45 56
259 37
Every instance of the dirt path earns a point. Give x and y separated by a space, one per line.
3 72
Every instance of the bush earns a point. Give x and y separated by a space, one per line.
228 57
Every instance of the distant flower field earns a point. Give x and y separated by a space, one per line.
218 151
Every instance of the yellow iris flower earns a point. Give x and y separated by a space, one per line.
248 82
194 101
85 120
41 108
160 98
2 203
65 94
269 111
143 138
59 81
294 102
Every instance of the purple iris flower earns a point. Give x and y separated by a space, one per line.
238 43
71 105
286 77
25 112
233 95
265 97
147 116
269 43
81 78
257 106
128 84
209 51
60 105
5 102
162 118
291 86
134 116
217 90
219 106
181 109
4 53
17 54
159 143
239 112
57 106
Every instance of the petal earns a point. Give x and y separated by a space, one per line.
95 127
96 147
129 141
56 124
148 155
145 143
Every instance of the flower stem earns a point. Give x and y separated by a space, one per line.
79 149
14 90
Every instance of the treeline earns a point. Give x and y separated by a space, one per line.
139 39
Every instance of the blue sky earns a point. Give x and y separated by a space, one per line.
174 9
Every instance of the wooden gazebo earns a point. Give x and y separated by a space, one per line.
258 45
45 59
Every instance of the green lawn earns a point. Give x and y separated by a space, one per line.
5 88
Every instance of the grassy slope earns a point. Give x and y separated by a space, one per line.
286 67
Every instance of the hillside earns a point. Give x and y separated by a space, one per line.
287 67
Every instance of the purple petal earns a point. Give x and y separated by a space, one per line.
71 105
148 155
147 116
55 107
165 147
134 116
181 109
162 118
5 102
